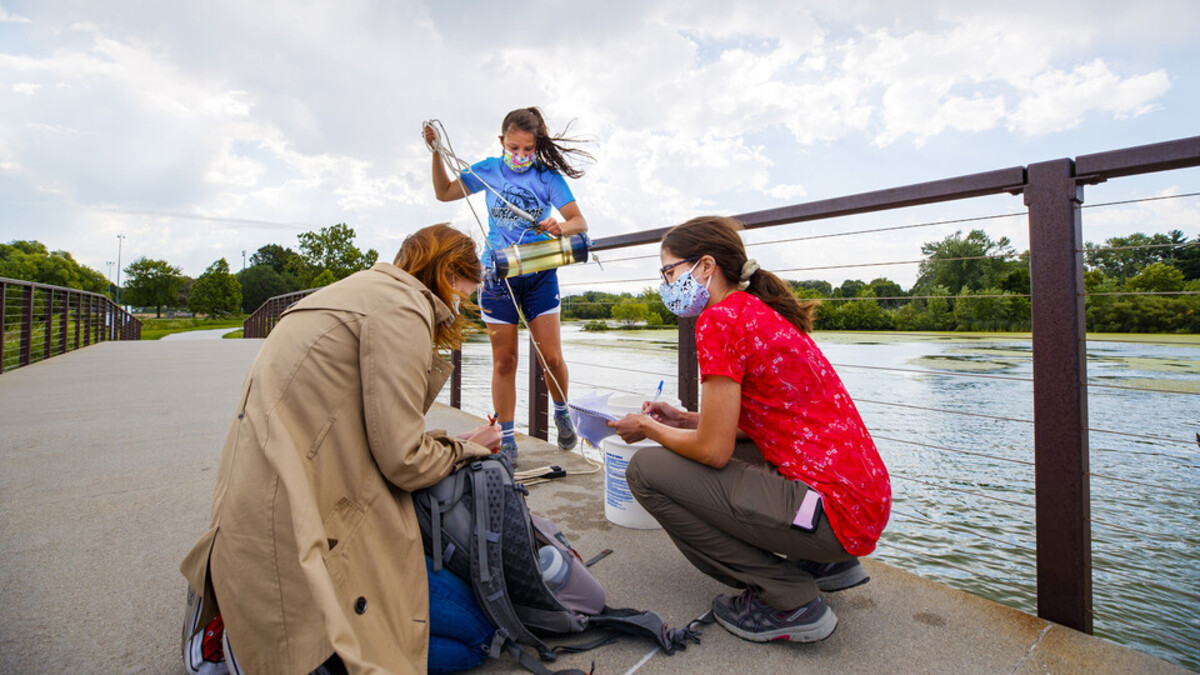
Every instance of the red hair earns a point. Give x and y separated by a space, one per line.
437 256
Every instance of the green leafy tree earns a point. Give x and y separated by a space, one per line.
629 311
590 305
849 288
216 293
323 279
864 313
1157 278
886 288
261 282
152 283
939 309
331 250
276 257
31 261
1124 257
974 262
820 289
659 314
1186 258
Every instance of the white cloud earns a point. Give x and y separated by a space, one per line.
203 120
1058 100
9 17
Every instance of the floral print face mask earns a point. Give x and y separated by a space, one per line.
685 296
518 163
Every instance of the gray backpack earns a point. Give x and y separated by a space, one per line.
475 523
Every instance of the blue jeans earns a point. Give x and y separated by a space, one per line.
459 632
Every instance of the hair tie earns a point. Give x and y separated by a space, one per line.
748 269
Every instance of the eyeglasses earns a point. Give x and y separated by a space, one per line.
667 268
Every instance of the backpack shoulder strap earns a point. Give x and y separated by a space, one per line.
491 484
645 624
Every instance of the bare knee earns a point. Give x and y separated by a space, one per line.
504 365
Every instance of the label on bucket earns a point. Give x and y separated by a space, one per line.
620 506
618 493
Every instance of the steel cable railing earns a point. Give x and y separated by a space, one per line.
958 527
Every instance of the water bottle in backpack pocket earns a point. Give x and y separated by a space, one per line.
564 572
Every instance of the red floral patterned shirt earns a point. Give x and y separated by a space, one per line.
797 411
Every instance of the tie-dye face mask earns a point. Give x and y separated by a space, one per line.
518 163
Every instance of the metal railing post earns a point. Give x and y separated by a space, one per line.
78 317
456 379
1064 552
3 322
539 397
49 322
689 366
62 322
26 326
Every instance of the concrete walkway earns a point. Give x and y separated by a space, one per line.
108 457
211 334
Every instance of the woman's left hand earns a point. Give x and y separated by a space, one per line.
629 428
551 226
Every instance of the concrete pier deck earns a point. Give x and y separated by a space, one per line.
108 457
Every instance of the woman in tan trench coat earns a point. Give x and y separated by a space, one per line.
314 549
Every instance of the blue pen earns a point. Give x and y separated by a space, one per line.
659 392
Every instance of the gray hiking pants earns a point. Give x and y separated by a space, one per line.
735 523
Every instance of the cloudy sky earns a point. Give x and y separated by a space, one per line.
199 130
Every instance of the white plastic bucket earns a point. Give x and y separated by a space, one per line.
620 506
620 406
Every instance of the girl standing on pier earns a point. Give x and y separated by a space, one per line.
529 174
785 516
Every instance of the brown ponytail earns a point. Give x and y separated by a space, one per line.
550 150
718 237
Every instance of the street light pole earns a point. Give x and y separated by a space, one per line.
120 240
243 260
110 264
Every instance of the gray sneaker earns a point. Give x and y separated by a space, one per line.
566 431
508 451
836 576
751 619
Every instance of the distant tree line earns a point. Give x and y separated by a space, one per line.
323 257
1136 284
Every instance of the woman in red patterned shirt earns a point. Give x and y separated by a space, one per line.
774 487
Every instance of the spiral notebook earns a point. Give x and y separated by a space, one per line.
590 415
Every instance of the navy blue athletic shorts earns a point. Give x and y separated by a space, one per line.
537 294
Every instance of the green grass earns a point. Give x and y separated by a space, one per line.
154 329
235 335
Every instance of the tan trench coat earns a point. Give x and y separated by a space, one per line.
314 545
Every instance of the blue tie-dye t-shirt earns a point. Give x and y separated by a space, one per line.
532 191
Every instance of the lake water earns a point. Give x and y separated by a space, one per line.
959 447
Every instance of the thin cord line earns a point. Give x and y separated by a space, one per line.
963 528
920 371
1143 389
1131 481
1139 200
943 410
924 555
1125 575
628 370
1157 536
948 488
955 450
609 388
